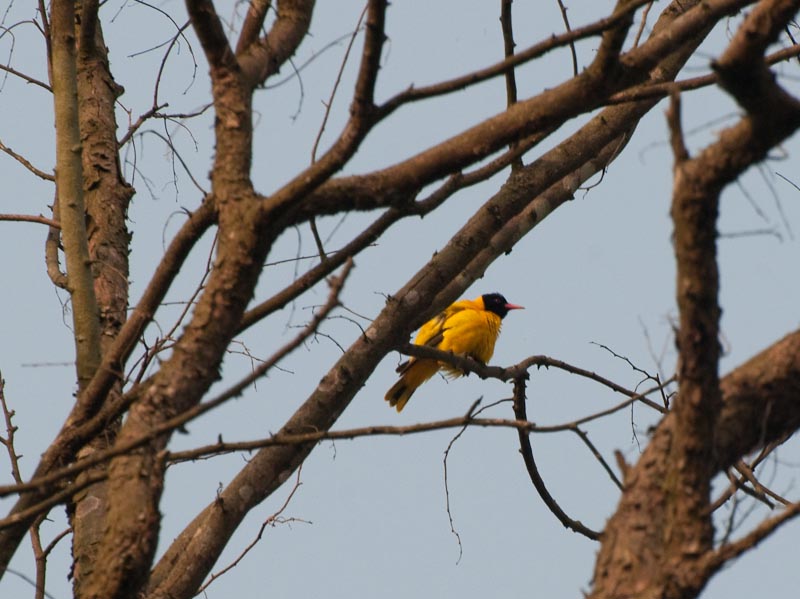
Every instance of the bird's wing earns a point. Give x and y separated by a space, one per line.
429 334
432 333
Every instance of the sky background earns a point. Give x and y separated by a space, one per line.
369 517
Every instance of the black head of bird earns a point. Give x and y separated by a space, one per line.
494 302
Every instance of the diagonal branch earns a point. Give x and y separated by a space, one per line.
211 33
31 218
713 562
253 23
26 163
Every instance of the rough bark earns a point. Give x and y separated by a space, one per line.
107 196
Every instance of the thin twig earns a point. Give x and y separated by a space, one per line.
507 26
453 530
11 429
163 65
223 447
572 42
323 257
329 104
596 453
26 163
31 218
25 77
134 127
40 558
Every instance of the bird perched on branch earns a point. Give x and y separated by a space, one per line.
466 328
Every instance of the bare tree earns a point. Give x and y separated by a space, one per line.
107 463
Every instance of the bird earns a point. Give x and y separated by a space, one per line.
466 328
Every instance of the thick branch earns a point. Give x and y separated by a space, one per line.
261 58
211 33
253 22
760 402
669 540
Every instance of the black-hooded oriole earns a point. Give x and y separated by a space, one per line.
466 328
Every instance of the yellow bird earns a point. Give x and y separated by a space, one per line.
467 328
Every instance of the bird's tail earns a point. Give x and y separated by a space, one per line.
414 373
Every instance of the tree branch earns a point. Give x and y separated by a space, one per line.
26 163
526 450
253 22
716 560
211 33
468 365
31 218
69 181
507 26
261 58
